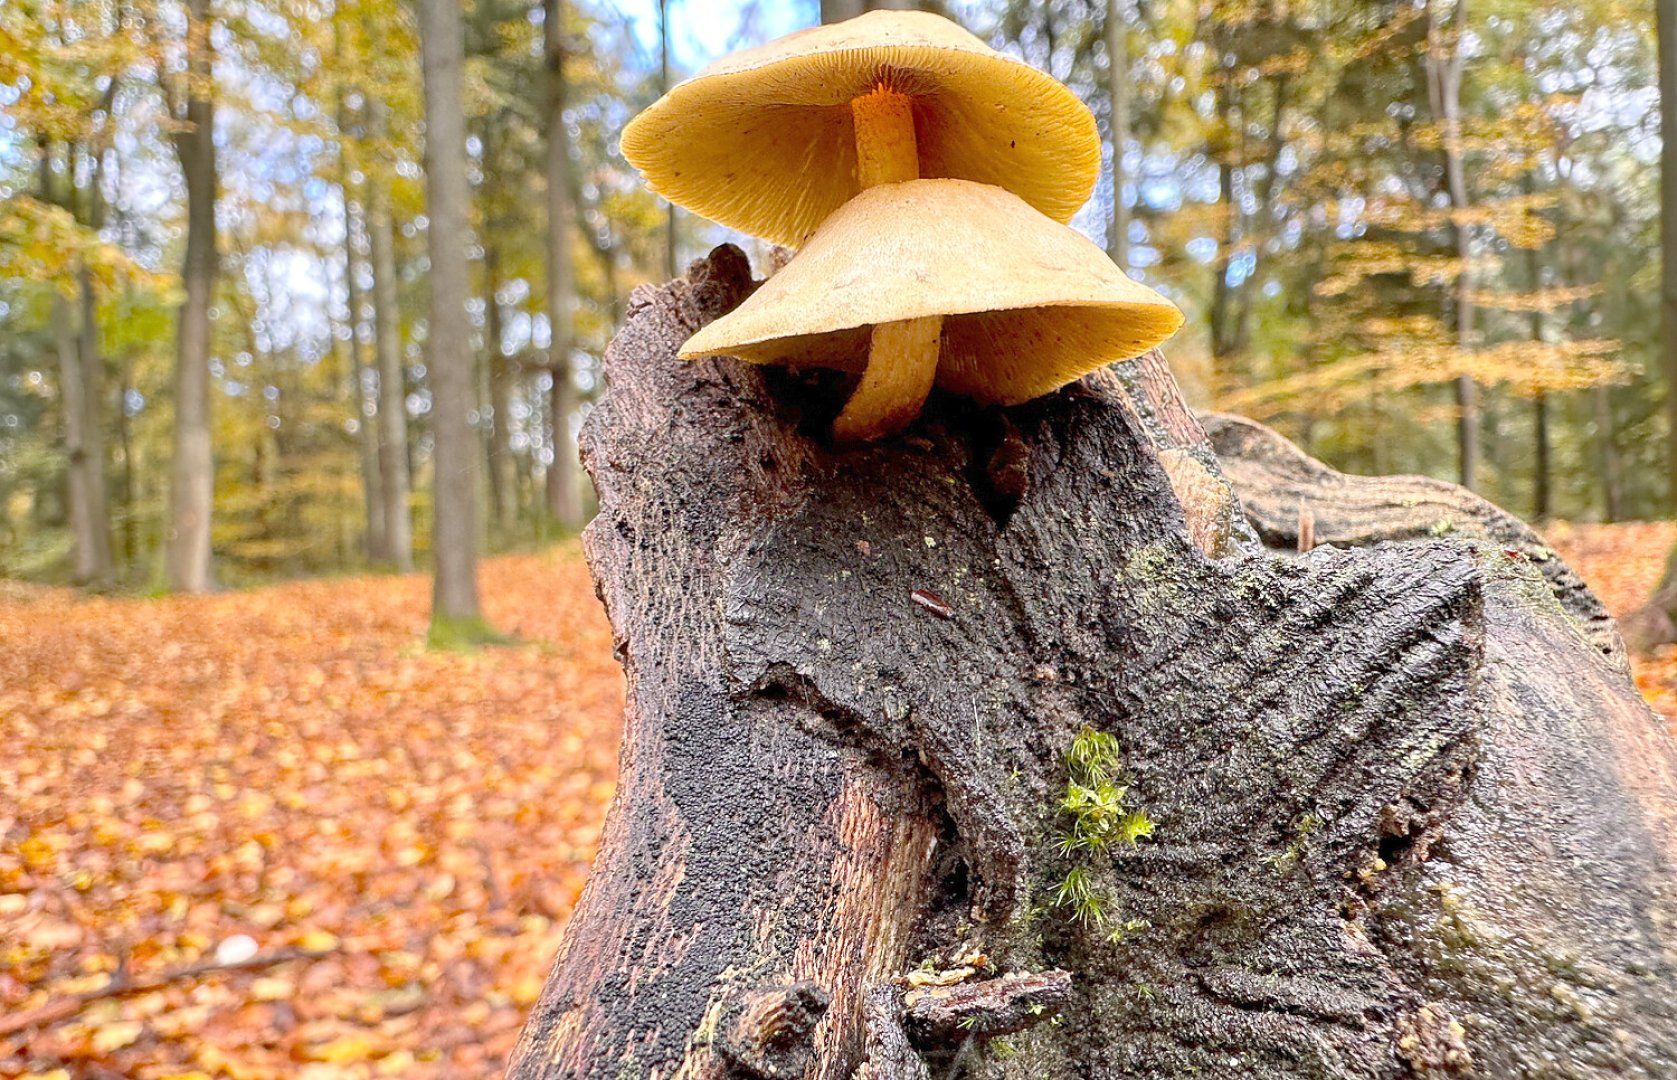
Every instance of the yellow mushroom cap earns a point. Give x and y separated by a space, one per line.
1029 304
763 140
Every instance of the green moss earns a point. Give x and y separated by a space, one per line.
1097 818
466 634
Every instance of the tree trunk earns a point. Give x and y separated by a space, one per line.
1407 821
387 349
75 336
1444 61
192 468
564 482
503 490
1607 436
672 256
833 11
448 345
376 548
1118 89
74 407
1666 16
98 537
1541 495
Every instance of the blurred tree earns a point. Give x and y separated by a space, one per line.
188 94
564 495
1667 29
455 612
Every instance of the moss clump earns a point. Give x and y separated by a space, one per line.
1097 819
465 634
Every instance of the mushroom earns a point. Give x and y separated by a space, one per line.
1013 304
773 140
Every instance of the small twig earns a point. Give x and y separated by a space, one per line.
123 986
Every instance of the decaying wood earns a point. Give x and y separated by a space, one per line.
985 1009
1408 819
1278 483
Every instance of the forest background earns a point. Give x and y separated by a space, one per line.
1419 236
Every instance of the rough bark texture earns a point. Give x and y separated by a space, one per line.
1409 820
1276 482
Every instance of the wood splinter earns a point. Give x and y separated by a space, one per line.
984 1010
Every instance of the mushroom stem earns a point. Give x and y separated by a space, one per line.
886 150
902 357
902 362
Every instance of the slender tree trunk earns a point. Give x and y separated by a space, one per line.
75 333
1118 97
1222 294
503 484
1666 16
192 467
377 515
1541 464
1444 83
564 479
125 441
392 410
73 399
1542 496
377 549
93 431
672 259
448 342
1607 436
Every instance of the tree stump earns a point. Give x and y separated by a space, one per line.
1408 820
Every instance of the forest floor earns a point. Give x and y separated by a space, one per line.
266 835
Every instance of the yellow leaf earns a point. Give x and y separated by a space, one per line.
115 1036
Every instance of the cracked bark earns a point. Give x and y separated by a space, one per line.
1409 819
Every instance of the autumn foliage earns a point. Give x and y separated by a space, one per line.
191 781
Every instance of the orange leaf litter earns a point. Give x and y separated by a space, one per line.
199 778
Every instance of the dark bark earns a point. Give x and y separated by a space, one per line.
1406 816
1276 481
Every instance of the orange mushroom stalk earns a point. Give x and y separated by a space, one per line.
902 358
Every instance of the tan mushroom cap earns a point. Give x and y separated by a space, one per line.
763 141
1030 304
